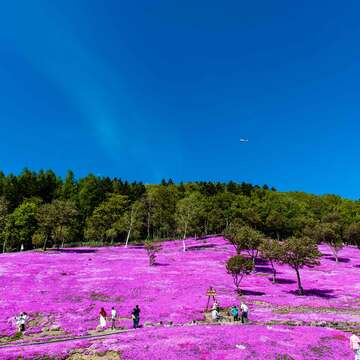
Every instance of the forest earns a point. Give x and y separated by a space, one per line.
42 210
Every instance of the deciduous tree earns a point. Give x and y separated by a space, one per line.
238 266
152 249
270 250
298 252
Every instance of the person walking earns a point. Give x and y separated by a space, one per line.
136 316
355 346
113 318
244 313
102 318
235 313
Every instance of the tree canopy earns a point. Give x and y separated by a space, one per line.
110 210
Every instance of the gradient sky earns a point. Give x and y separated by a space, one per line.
146 90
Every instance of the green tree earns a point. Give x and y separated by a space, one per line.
330 233
352 234
48 185
46 218
4 213
21 225
69 188
152 249
238 266
245 238
65 219
298 252
38 239
134 220
90 194
109 214
187 211
161 210
271 251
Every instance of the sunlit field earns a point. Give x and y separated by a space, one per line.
63 291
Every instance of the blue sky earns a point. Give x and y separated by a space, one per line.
146 90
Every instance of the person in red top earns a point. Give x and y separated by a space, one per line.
102 317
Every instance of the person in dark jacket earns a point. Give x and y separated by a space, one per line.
136 316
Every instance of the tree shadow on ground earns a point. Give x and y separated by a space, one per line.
259 261
341 259
283 281
75 251
161 264
263 269
251 292
321 293
200 247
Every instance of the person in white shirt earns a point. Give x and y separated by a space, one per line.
355 345
113 318
244 313
21 321
214 315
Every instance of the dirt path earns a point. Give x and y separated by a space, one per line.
347 327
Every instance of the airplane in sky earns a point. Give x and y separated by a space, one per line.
244 140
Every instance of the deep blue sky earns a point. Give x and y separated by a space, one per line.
146 90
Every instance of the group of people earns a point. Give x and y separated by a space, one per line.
234 312
135 316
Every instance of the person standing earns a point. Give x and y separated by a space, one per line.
21 321
136 316
244 313
113 318
102 318
355 346
235 313
214 314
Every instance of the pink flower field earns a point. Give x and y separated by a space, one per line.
204 343
63 291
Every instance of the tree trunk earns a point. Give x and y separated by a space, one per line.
45 243
62 237
274 272
4 246
128 236
185 230
237 282
253 255
184 246
300 288
148 225
130 227
335 254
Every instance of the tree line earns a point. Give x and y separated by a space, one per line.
40 210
